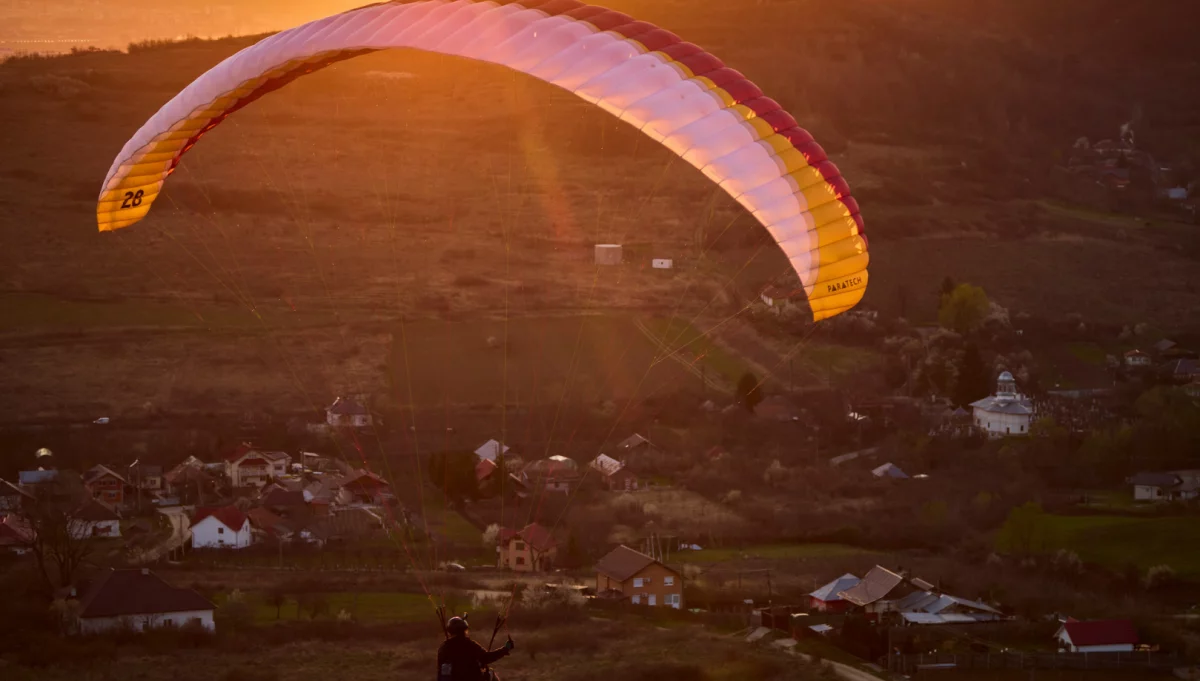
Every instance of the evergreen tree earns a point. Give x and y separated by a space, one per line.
974 381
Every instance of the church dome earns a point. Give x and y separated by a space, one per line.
1006 377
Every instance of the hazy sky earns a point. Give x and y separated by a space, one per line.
43 25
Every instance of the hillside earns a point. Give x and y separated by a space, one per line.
408 185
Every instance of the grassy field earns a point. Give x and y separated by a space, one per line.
773 552
562 651
1117 541
366 607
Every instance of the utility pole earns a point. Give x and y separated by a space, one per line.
770 593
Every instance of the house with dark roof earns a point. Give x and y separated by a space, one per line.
1101 636
614 475
530 549
224 527
346 412
626 574
285 502
137 600
95 519
13 497
828 598
1166 486
15 534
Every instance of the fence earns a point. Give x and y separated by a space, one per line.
907 664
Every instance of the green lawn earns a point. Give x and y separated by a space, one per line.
1116 541
825 359
675 333
773 552
1089 353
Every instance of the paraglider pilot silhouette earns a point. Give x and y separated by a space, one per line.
462 659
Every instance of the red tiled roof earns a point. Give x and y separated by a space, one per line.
623 562
1101 632
533 534
137 592
264 520
363 478
230 516
239 452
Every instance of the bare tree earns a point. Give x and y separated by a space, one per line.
58 539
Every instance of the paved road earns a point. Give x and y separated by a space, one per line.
180 534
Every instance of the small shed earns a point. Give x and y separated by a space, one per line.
662 263
608 254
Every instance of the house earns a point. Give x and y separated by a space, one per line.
614 475
778 298
248 467
1005 413
105 485
929 607
285 503
146 477
138 599
367 487
12 497
491 450
95 519
1101 636
532 549
265 523
1166 486
556 474
188 482
1136 359
1164 345
879 590
15 534
224 527
889 470
1183 371
633 444
633 575
826 598
281 463
348 413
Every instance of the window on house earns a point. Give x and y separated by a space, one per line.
653 600
638 582
520 560
673 600
520 546
1022 428
669 581
637 600
220 530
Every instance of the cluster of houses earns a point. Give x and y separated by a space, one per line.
1166 359
623 574
560 473
1155 486
895 598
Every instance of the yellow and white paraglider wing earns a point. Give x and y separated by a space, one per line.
673 91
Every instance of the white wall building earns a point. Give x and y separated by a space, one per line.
347 413
1005 413
223 527
1106 636
138 599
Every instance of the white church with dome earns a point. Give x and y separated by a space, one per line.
1008 412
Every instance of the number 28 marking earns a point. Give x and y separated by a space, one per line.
132 199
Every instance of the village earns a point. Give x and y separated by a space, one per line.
495 518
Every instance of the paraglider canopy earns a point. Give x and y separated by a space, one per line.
671 90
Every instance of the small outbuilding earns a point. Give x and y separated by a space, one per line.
1101 636
608 254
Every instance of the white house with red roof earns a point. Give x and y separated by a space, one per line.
1100 636
220 527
